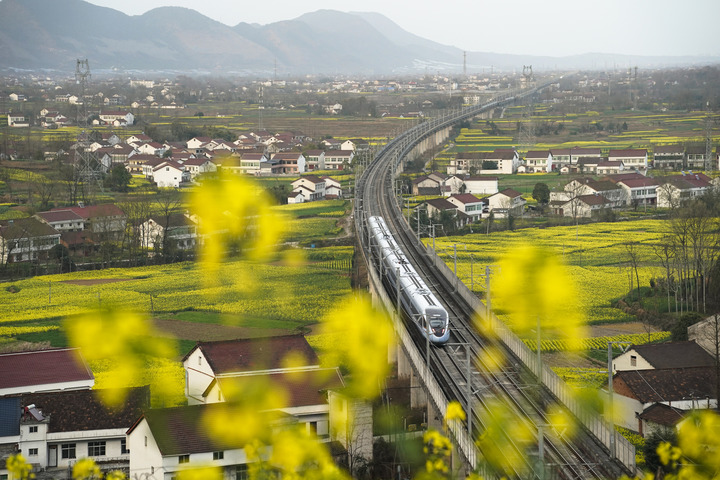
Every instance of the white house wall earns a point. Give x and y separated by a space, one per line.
145 457
198 376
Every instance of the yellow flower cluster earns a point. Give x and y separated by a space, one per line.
125 340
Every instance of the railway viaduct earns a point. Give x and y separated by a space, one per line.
598 453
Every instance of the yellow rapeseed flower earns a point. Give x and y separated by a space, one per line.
201 472
86 469
235 218
454 411
124 339
368 334
548 294
19 468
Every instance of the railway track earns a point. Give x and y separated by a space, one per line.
508 395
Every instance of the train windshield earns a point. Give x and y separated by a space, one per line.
437 318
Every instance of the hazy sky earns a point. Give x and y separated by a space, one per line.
536 27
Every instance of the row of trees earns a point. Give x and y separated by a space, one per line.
689 255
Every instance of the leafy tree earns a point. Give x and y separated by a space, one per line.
541 193
652 442
118 179
680 329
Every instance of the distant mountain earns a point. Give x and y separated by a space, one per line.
52 34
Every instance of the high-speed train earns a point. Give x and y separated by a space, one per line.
417 300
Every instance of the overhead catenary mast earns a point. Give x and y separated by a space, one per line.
87 166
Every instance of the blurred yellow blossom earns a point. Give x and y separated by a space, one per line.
86 469
299 455
454 411
249 410
368 334
235 217
505 439
123 339
200 472
19 468
548 294
437 449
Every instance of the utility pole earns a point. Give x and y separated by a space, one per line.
611 419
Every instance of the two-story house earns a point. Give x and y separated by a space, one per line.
634 158
468 204
539 161
506 202
170 174
289 162
177 229
26 239
106 221
53 430
315 159
312 186
669 157
338 159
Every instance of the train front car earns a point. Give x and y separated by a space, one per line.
418 302
439 325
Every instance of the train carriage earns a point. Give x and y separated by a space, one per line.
421 305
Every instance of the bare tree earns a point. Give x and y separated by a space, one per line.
45 188
633 253
167 203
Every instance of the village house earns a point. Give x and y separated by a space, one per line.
17 120
197 144
355 145
686 388
539 161
289 162
587 164
669 157
137 139
151 148
506 202
105 221
136 164
250 162
63 220
208 361
425 185
640 191
580 206
177 229
663 355
338 159
169 174
480 185
116 118
706 333
315 159
468 204
436 206
678 189
631 158
588 186
312 187
165 441
606 167
26 239
56 429
333 188
52 370
296 197
197 166
696 158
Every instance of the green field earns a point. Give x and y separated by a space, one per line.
595 255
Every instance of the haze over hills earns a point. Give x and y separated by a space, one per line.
48 34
